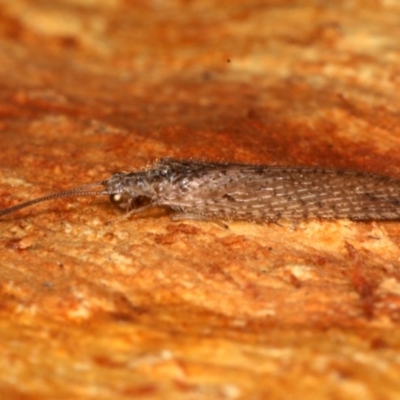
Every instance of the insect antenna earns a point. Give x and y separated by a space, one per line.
78 191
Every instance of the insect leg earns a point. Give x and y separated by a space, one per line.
128 214
180 216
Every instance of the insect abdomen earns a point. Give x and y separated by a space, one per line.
270 193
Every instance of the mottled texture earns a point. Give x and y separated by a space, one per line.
240 192
95 306
260 193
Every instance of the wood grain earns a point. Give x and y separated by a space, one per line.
97 307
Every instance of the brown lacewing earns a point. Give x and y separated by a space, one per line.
227 191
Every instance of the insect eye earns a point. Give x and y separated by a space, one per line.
116 198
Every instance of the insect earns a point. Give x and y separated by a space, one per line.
227 191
